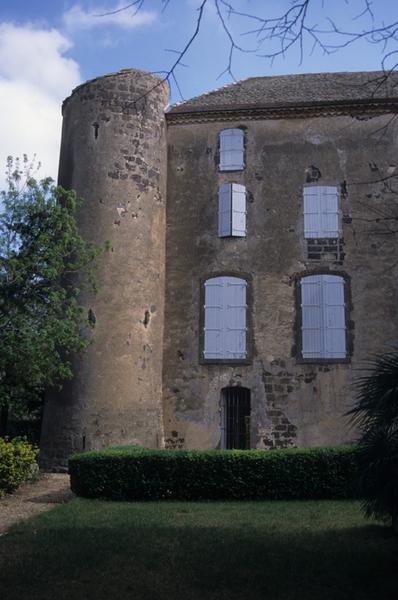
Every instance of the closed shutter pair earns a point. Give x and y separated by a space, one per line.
321 211
225 318
323 326
232 150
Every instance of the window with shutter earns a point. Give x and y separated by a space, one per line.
321 211
323 329
225 319
231 150
232 210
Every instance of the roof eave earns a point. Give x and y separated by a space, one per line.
185 113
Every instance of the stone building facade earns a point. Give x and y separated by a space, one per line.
253 265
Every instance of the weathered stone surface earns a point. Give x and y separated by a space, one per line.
114 156
143 380
293 404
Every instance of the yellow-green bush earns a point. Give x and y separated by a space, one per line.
17 458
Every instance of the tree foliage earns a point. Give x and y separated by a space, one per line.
41 321
376 414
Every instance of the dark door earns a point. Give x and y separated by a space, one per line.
235 418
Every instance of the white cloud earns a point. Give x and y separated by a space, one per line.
77 18
35 77
30 124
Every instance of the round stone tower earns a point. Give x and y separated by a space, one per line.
113 153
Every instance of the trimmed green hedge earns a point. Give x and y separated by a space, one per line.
17 458
133 473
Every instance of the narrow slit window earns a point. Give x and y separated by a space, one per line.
225 319
323 327
232 150
232 210
321 212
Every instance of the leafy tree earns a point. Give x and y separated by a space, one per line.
376 414
41 321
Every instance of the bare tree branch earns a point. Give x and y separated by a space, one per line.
170 74
274 35
137 4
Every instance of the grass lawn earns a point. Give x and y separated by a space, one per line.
99 550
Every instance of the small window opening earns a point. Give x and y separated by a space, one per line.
235 418
96 127
312 174
231 150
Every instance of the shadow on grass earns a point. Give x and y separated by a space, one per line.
173 555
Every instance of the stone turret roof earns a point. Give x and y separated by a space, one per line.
296 90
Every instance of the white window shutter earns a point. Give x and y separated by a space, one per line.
323 317
311 317
238 210
231 150
321 211
312 217
225 318
235 317
225 210
334 311
329 202
213 326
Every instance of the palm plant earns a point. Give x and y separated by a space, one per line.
376 415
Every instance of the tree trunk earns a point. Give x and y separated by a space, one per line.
3 420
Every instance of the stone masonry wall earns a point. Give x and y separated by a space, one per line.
114 155
293 403
144 380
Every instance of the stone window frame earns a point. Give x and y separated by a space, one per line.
249 320
349 324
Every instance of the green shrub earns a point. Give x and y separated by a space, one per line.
139 473
375 413
17 458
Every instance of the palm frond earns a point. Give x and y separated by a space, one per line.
376 416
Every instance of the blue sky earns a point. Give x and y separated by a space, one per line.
47 47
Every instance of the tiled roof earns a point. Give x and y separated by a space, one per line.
296 90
